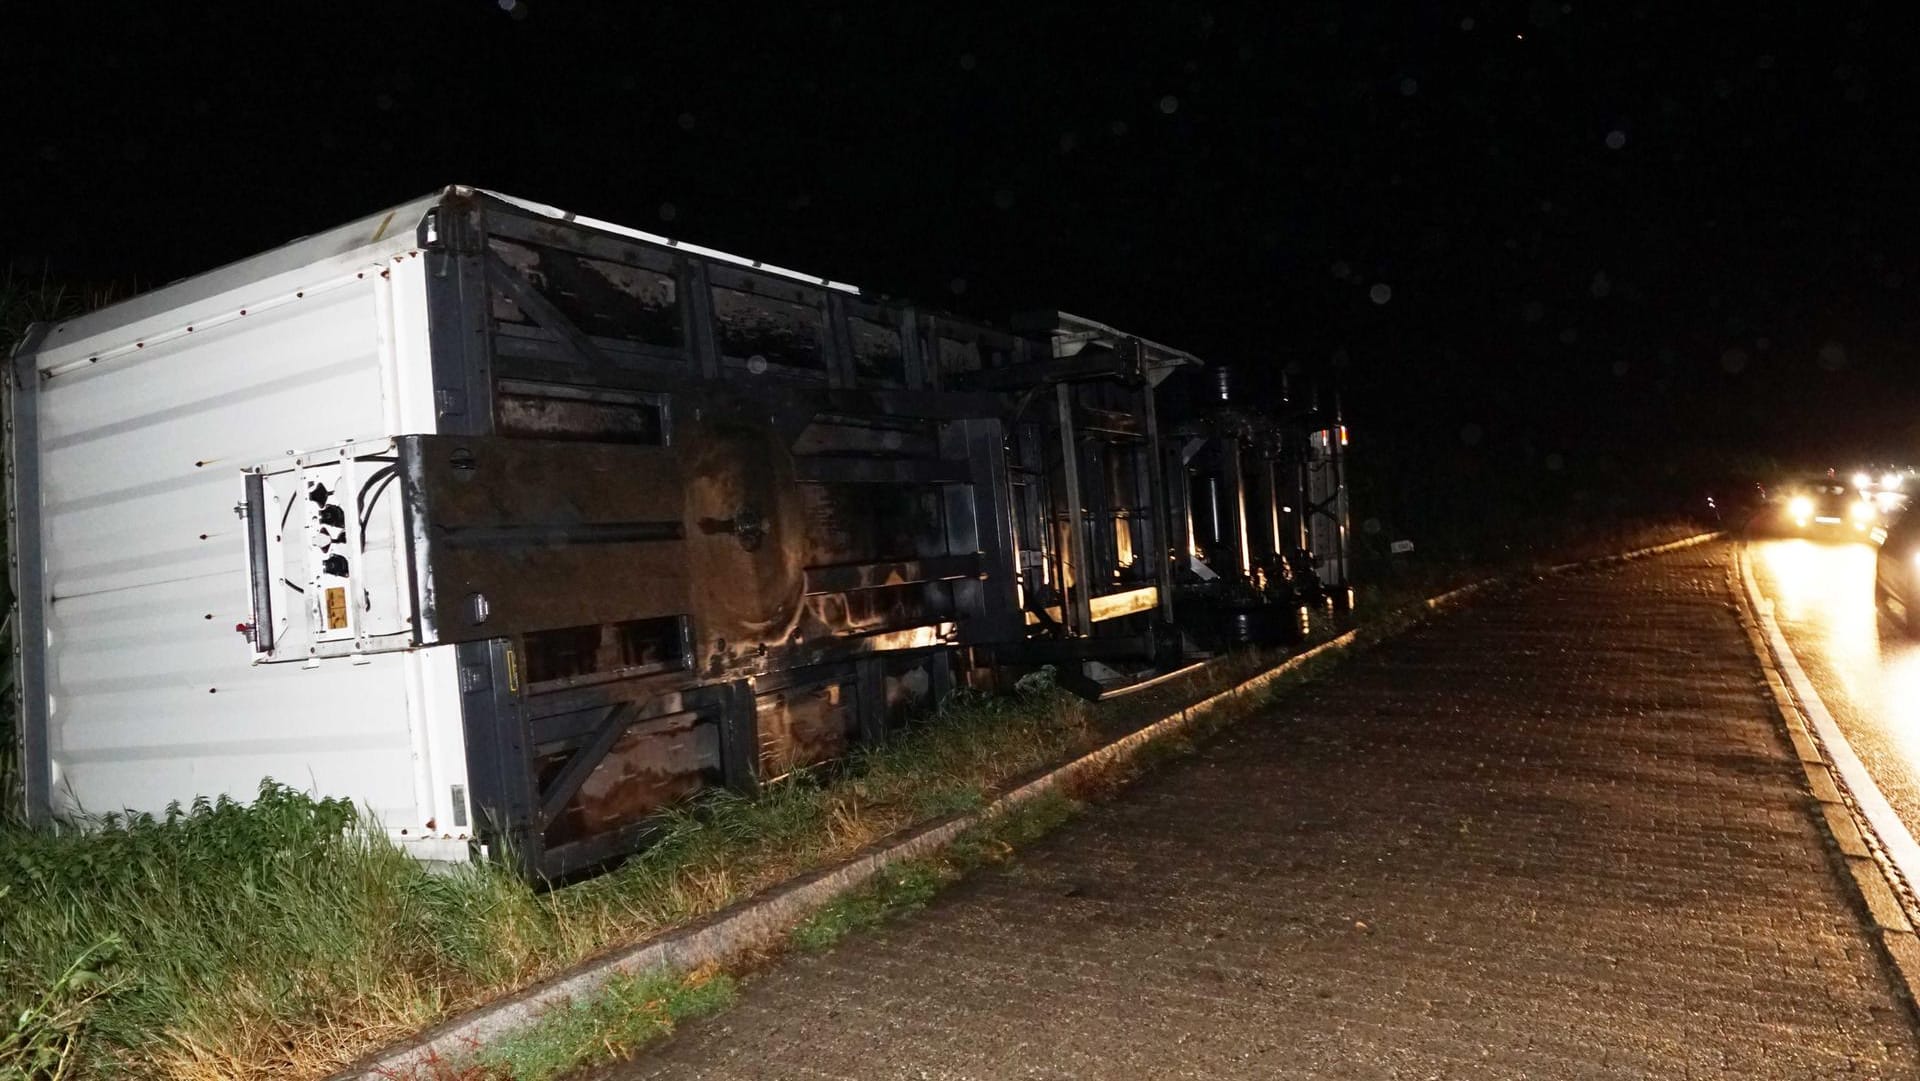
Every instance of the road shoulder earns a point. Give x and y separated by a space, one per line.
1880 868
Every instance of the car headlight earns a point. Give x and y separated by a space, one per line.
1800 507
1862 511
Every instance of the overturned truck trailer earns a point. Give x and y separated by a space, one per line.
515 526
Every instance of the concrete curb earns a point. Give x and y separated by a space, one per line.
1638 553
763 920
1455 596
758 922
1872 871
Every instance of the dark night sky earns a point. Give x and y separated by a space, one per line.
1605 227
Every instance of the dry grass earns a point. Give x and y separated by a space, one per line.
283 939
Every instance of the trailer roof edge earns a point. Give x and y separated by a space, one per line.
1068 323
557 214
385 232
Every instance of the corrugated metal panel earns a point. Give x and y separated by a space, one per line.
152 698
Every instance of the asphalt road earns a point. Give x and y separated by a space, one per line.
1867 675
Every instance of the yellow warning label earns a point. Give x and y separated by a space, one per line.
336 608
513 673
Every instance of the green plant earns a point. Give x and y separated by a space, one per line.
894 891
624 1014
207 935
39 1040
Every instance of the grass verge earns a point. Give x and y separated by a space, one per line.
904 887
285 938
625 1014
907 886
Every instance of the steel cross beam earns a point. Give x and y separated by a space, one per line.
1079 593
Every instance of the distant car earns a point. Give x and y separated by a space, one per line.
1826 506
1896 574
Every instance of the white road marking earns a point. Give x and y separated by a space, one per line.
1895 838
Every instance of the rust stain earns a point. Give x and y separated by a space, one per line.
804 726
654 765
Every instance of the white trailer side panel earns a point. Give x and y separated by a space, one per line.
151 694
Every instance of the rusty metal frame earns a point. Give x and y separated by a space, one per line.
848 577
499 753
26 574
503 719
1233 476
1158 514
1076 597
995 597
509 726
457 304
503 277
617 718
869 683
739 741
